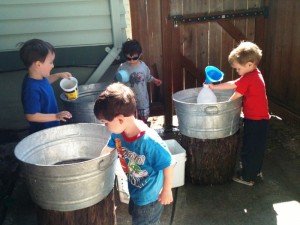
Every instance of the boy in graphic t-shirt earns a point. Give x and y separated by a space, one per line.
144 156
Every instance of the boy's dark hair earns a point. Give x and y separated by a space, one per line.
131 47
34 50
116 99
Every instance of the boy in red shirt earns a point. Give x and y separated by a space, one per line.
251 86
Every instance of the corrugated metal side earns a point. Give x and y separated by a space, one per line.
64 23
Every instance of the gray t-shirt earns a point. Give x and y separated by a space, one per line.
138 77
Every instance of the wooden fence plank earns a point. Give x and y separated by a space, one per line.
154 47
202 40
175 7
240 23
190 45
215 36
227 45
167 29
294 78
190 42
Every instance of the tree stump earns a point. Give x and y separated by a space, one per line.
102 213
211 161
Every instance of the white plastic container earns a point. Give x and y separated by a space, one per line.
206 95
179 155
70 87
122 183
123 188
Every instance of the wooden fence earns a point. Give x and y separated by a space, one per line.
181 37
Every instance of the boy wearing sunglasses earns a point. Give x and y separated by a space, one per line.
139 75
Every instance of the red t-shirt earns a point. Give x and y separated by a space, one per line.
255 102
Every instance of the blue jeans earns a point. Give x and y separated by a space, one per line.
146 214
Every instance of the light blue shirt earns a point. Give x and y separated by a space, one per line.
146 155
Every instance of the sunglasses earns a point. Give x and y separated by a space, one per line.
133 58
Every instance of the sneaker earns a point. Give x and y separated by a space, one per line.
241 165
239 179
260 175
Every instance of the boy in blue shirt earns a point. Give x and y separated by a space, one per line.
38 98
144 156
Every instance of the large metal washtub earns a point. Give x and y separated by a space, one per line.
63 169
82 108
209 120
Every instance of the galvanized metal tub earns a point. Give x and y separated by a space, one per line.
82 108
62 167
209 120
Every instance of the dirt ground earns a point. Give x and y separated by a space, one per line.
285 137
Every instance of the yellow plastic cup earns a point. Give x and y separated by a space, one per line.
70 88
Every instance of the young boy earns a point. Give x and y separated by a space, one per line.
139 75
144 156
251 86
38 98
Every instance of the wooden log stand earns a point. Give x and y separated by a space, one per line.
102 213
211 161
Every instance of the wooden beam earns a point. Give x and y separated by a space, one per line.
233 31
189 66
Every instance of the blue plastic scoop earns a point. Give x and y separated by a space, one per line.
213 74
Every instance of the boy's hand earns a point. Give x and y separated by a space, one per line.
63 115
211 86
165 197
56 76
157 82
66 75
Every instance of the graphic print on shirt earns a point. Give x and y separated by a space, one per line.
136 78
136 176
121 155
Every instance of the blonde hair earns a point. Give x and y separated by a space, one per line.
245 52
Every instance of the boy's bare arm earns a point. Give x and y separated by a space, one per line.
166 196
42 118
157 82
54 77
223 86
235 96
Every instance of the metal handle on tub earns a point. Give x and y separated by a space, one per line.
211 110
105 163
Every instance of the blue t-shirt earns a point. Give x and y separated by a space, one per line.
146 155
38 97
